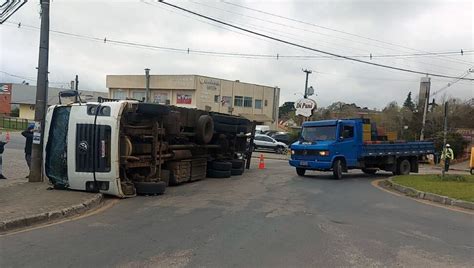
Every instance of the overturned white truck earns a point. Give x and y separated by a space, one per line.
126 147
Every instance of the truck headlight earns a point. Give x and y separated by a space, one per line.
323 153
292 151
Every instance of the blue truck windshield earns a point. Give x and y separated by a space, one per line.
319 133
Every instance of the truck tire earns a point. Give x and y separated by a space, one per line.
337 169
237 163
220 165
370 171
150 188
472 171
212 173
204 129
237 171
404 167
300 171
153 109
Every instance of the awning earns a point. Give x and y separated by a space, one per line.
257 117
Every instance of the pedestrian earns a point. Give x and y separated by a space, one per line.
28 134
447 155
2 149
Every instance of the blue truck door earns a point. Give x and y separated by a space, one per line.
347 143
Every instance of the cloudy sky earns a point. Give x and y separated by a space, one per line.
351 28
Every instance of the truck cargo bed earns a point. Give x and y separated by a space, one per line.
407 149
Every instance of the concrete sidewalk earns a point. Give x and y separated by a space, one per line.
25 204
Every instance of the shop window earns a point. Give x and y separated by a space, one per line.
138 95
216 98
258 104
120 95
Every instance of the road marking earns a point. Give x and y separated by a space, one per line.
375 183
107 204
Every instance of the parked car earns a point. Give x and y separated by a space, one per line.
265 142
283 137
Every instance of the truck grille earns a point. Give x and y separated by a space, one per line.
307 152
90 153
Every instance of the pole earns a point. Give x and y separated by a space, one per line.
425 83
147 88
77 86
41 95
306 83
444 134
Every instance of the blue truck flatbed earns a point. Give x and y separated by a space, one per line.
339 145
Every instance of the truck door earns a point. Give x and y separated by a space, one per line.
346 144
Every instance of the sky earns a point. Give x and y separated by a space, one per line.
349 28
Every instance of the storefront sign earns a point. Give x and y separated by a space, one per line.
183 99
305 107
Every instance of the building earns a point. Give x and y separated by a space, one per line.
23 96
255 102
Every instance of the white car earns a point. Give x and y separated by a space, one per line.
264 142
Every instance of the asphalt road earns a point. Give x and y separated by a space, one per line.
17 141
266 218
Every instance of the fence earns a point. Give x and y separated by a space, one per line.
13 123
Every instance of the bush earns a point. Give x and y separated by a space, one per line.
456 140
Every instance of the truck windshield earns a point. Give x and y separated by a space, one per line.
319 133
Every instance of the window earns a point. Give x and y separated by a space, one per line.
266 103
120 95
248 102
238 101
318 133
160 98
267 139
348 132
226 101
138 95
258 104
216 98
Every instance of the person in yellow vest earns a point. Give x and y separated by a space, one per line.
447 156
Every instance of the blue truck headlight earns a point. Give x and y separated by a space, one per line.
292 151
323 153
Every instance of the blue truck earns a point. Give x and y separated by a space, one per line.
340 145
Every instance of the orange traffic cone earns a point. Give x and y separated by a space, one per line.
261 165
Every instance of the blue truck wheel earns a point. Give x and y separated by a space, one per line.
337 169
300 171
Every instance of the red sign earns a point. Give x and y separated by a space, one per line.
5 99
184 99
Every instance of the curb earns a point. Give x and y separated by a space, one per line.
426 196
45 217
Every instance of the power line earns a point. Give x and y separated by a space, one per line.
331 29
460 52
305 47
236 54
469 71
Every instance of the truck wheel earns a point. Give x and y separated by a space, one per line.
220 165
204 129
370 171
337 169
150 188
237 171
300 171
212 173
404 167
472 171
237 163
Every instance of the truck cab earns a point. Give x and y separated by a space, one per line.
340 145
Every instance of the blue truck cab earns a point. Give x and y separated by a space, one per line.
340 145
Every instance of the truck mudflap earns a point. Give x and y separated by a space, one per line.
56 148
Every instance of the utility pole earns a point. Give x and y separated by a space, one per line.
41 96
445 132
77 87
147 88
424 89
306 84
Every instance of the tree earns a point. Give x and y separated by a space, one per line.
409 103
287 108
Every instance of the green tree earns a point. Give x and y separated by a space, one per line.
286 109
409 103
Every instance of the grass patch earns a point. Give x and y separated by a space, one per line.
454 186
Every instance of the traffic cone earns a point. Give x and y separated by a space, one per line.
261 165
